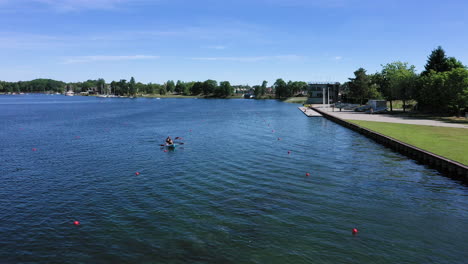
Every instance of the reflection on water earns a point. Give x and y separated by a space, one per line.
235 192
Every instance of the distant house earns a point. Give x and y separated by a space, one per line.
319 90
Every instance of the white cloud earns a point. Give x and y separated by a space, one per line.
219 47
81 4
337 58
86 59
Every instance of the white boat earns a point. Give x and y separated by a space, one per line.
70 93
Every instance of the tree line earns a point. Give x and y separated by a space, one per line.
209 88
441 88
291 88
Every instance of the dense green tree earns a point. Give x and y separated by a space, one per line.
132 87
444 92
359 86
263 88
179 88
224 89
170 86
457 90
162 89
196 88
113 87
281 88
296 87
140 87
397 81
257 90
155 88
122 87
209 86
101 86
260 90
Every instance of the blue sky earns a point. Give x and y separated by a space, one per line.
242 41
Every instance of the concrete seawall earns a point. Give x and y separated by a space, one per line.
450 168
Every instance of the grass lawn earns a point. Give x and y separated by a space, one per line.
448 142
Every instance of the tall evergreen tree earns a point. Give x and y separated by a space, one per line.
359 86
132 87
439 62
263 88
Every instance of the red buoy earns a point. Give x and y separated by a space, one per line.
137 173
355 231
289 152
34 149
76 223
307 174
165 150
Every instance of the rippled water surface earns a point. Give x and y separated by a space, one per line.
235 192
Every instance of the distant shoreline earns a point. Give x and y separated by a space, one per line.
294 100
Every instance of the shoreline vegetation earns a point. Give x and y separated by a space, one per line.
207 89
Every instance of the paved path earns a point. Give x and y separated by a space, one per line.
309 112
351 115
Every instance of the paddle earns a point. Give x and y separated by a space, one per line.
180 143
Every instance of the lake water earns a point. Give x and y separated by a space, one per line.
235 192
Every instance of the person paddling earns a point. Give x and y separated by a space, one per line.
169 141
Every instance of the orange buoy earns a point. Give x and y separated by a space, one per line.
137 173
307 174
355 231
76 223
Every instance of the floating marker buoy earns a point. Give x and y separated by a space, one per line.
34 149
355 231
307 174
76 223
273 131
137 173
289 152
165 150
279 138
77 137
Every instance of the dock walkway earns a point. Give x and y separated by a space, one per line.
309 112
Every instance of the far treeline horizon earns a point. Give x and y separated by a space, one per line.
441 88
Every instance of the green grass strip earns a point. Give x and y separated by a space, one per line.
448 142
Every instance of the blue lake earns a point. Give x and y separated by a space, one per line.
236 191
